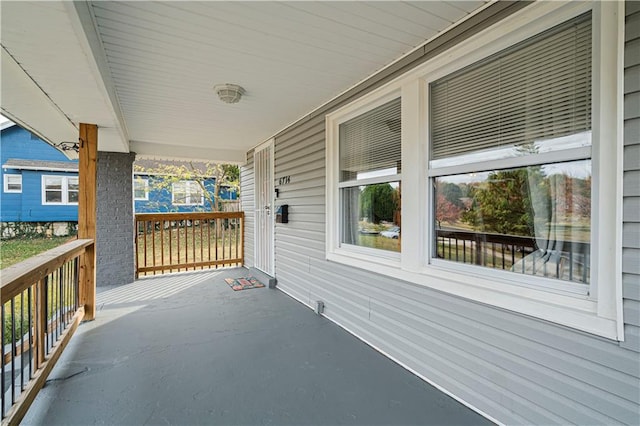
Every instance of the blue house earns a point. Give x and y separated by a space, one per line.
175 186
39 182
40 185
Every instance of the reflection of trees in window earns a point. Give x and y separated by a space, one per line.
379 202
501 204
525 201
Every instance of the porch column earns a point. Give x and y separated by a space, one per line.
87 216
115 219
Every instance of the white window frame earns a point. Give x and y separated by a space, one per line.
65 191
600 312
7 177
335 248
145 181
188 201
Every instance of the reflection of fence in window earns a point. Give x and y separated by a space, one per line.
569 262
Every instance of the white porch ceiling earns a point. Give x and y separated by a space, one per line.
145 71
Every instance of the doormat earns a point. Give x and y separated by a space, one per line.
244 283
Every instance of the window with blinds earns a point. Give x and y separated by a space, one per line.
370 144
539 89
369 157
532 98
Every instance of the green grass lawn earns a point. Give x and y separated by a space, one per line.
17 250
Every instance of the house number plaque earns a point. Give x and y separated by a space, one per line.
284 180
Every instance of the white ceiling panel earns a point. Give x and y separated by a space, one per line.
157 63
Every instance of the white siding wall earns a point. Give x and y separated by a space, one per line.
247 190
631 201
516 369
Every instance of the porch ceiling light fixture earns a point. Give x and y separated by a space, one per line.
229 93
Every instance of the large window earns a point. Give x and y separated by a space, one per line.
140 189
187 193
12 183
510 158
60 189
507 149
369 178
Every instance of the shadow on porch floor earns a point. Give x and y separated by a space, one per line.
186 349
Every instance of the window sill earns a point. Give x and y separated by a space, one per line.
570 310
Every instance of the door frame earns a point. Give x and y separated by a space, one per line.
267 246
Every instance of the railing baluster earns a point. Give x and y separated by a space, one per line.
170 246
31 341
45 324
153 244
237 229
13 351
493 252
217 228
201 244
178 241
194 243
186 245
2 317
59 302
512 248
571 263
144 234
209 239
76 281
21 341
161 242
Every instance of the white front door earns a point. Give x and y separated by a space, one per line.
264 198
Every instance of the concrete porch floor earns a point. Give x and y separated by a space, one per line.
186 349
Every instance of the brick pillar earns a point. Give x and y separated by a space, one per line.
114 240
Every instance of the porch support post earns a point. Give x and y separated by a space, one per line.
87 216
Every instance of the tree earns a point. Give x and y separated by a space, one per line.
170 172
451 192
446 211
502 204
378 202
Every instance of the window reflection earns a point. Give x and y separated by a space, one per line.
532 220
371 216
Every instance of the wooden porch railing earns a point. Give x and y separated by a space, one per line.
517 253
174 242
41 309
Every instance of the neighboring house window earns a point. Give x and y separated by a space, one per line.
511 185
12 183
187 193
60 189
141 189
510 159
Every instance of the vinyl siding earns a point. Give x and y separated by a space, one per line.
514 368
631 182
247 191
